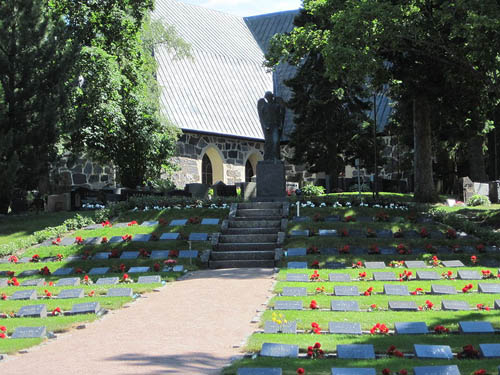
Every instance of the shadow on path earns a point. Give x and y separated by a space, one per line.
232 273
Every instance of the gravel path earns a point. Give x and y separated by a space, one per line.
189 327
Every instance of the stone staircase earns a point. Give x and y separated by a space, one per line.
250 236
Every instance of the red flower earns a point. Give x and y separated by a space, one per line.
127 237
2 335
374 249
441 329
480 248
144 253
344 232
57 241
4 296
91 293
403 372
386 371
480 372
316 328
314 305
59 257
157 267
173 253
362 275
45 271
56 311
3 328
133 222
104 239
424 233
368 292
79 240
79 270
473 259
13 259
379 328
10 273
106 224
314 276
162 221
315 264
373 306
451 233
122 267
467 287
13 282
312 250
35 258
47 293
125 276
301 371
345 249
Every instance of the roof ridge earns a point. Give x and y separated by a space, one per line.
273 13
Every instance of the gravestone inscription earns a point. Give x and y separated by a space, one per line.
344 328
490 350
297 265
259 371
437 370
468 275
294 292
489 288
374 265
476 327
403 306
443 289
279 350
107 281
71 293
355 351
24 294
70 281
62 271
411 328
120 292
86 308
288 305
346 290
344 305
396 290
33 282
433 351
29 332
454 305
428 275
353 371
384 276
296 252
169 236
149 279
33 311
299 277
339 277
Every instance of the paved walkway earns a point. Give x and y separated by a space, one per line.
189 327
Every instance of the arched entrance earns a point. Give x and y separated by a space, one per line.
249 172
212 166
251 165
206 171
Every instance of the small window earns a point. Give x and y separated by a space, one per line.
206 171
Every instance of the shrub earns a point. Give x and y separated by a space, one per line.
312 190
364 187
479 200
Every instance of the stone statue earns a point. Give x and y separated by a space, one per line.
272 118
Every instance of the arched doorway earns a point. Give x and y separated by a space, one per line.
249 172
251 165
212 167
206 171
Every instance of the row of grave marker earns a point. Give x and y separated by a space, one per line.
380 265
361 219
379 233
152 223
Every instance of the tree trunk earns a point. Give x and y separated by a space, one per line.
424 183
332 167
475 156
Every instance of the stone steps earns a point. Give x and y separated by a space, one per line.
248 238
214 264
243 255
241 231
257 218
239 223
246 246
252 212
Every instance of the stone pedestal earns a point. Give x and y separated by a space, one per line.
271 180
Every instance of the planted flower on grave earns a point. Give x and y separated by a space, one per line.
79 240
51 283
314 276
405 276
373 307
487 274
373 249
482 307
451 234
3 297
104 240
481 372
57 241
370 233
439 329
126 278
154 237
92 293
173 253
358 264
379 328
424 233
157 267
455 248
10 273
132 223
430 249
368 292
344 232
279 319
301 371
162 221
115 254
381 216
399 233
79 270
13 282
393 352
417 292
396 263
468 352
317 217
44 271
435 262
315 264
47 293
427 306
59 257
349 219
320 290
345 249
127 237
362 276
312 250
170 262
122 267
194 220
402 249
467 288
315 328
473 259
3 331
106 224
56 311
87 280
314 305
13 259
144 253
35 258
481 248
315 351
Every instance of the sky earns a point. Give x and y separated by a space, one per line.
247 8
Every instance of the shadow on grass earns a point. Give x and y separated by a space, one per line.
233 273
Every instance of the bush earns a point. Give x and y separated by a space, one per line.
478 200
364 187
312 190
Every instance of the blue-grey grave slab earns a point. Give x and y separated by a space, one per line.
46 243
364 219
328 233
24 294
288 305
299 277
353 371
210 221
384 276
344 328
346 290
384 233
160 254
29 273
279 350
388 251
415 264
443 289
85 308
490 350
107 281
92 241
24 260
259 371
329 251
3 282
115 239
188 254
296 265
356 233
169 236
332 219
67 241
375 265
396 290
180 222
497 304
63 271
411 234
73 258
98 270
433 351
68 281
469 249
29 332
101 255
33 311
435 234
489 288
417 251
454 305
33 282
436 370
294 292
178 268
149 279
296 252
301 219
355 351
468 275
93 227
452 263
339 277
411 328
71 293
428 275
120 225
475 327
403 306
443 250
344 305
120 292
141 238
273 327
198 237
299 233
334 265
129 255
138 269
150 223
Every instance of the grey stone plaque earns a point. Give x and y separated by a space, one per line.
296 252
67 241
334 265
141 238
24 260
120 292
353 371
175 223
452 263
428 275
344 328
388 251
297 265
33 311
98 270
120 225
375 265
396 290
364 219
356 351
101 256
93 227
346 290
129 255
33 282
411 328
443 289
437 370
288 305
3 282
476 327
92 241
384 233
454 305
23 294
69 281
210 221
178 268
294 292
433 351
62 272
150 223
29 332
328 233
279 350
299 233
497 304
301 219
198 237
468 275
138 269
273 327
357 233
86 308
149 279
339 277
344 305
107 281
489 288
403 306
411 234
435 234
384 276
490 350
71 293
169 236
188 254
115 239
160 254
332 219
299 277
259 371
415 264
29 273
329 251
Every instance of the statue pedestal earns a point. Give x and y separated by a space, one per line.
271 180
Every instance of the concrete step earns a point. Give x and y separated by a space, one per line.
260 205
248 238
251 212
234 231
242 255
246 246
213 264
256 218
238 223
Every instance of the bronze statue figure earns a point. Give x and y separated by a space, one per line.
272 118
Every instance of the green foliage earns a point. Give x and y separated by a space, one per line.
312 190
479 200
364 187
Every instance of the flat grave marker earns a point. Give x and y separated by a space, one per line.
297 277
23 295
388 251
296 265
115 239
452 263
332 219
489 288
180 222
300 233
101 255
33 282
346 290
468 275
334 265
93 227
384 233
149 279
433 351
301 219
296 252
475 327
29 332
150 223
178 268
92 241
138 269
411 328
198 237
443 289
344 328
259 371
435 234
210 221
86 308
294 292
33 311
169 236
120 225
497 304
129 255
120 292
69 281
403 306
71 293
411 234
437 370
288 305
29 273
353 371
415 264
67 241
24 260
160 254
64 271
273 327
454 305
279 350
384 276
364 219
188 254
490 350
396 290
356 351
375 265
428 275
141 238
328 233
3 282
356 233
339 277
344 305
107 281
98 270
